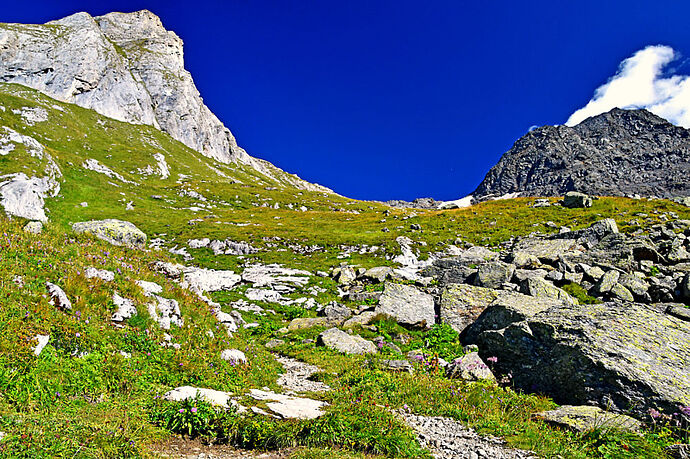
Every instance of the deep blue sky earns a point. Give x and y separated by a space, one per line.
395 99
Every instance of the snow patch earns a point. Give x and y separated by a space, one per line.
457 204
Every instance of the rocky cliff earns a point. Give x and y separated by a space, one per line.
619 153
126 66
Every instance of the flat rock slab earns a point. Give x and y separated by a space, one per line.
290 407
548 250
117 232
584 418
296 376
347 344
269 275
214 397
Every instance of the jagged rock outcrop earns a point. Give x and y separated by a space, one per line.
619 153
126 66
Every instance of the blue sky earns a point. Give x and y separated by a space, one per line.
397 99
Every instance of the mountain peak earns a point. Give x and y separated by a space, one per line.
618 153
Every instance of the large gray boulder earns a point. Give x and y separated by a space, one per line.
117 232
507 308
494 274
462 304
541 288
340 341
574 200
407 305
620 356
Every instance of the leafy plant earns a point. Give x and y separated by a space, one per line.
192 417
576 291
441 339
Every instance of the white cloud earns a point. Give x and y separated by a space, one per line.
639 83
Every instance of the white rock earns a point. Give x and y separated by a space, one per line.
267 296
269 275
198 243
214 397
102 274
149 288
24 197
234 356
290 407
125 308
34 227
42 343
94 165
58 298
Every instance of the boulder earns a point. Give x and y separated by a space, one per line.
347 344
508 308
620 356
621 293
524 260
451 271
494 274
469 367
679 311
462 304
378 274
575 200
606 283
593 234
407 305
397 365
346 275
336 312
302 323
364 318
542 288
116 232
35 227
585 418
234 356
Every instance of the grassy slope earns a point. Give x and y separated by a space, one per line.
97 405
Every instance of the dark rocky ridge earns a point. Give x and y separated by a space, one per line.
619 153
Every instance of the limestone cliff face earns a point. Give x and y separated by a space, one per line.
126 66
